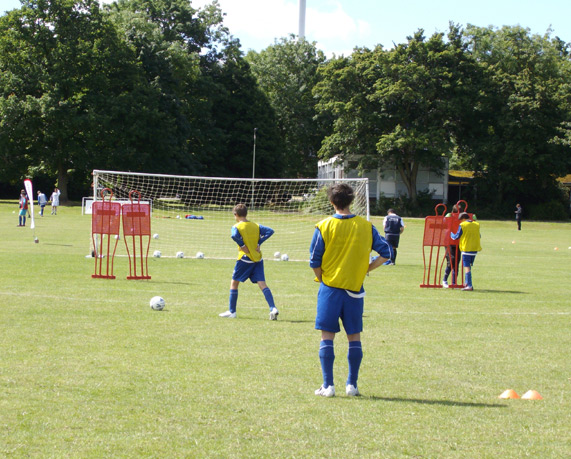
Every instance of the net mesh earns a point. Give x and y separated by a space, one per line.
194 214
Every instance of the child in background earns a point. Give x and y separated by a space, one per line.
42 201
469 245
23 203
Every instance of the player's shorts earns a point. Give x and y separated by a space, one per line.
393 240
23 212
468 259
253 271
334 304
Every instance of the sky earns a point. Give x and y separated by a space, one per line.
338 26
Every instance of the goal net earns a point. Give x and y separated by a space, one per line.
194 214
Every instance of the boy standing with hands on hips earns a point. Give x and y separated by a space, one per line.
250 264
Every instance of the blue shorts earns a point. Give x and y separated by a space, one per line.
468 259
334 304
253 271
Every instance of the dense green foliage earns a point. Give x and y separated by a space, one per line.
287 73
497 102
160 86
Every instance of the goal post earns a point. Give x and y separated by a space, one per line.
194 214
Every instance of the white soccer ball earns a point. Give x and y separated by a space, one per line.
199 255
117 237
277 255
180 254
157 303
157 254
285 257
155 236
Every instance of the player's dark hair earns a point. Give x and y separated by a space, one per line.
241 210
341 195
464 216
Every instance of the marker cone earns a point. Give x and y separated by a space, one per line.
509 393
531 395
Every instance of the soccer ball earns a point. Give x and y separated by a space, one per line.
157 303
157 254
277 255
199 255
117 237
285 257
180 254
155 236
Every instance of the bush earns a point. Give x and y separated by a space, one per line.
404 206
549 211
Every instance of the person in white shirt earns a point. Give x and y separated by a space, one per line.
54 198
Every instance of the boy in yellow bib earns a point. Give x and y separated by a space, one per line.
339 255
469 245
250 264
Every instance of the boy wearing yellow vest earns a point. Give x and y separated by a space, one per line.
469 245
340 257
250 264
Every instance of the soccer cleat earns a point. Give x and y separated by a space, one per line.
444 284
326 392
351 390
228 314
468 288
274 314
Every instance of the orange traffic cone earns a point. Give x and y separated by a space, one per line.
531 395
509 393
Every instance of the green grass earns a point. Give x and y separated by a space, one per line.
87 369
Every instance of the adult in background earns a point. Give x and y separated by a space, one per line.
339 257
518 214
394 226
54 198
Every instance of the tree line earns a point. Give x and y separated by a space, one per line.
160 86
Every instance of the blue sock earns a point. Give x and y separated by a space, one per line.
269 297
355 356
469 279
233 300
327 357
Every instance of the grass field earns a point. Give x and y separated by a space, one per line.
87 369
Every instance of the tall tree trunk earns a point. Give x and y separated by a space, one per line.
62 180
408 173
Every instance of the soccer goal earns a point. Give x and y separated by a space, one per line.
194 214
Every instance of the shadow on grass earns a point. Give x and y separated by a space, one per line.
433 402
499 291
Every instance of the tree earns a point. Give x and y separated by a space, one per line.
287 73
396 107
60 65
204 88
523 114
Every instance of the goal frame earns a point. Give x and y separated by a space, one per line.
256 200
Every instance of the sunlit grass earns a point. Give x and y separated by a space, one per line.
87 369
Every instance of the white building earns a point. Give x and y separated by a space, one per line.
387 182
